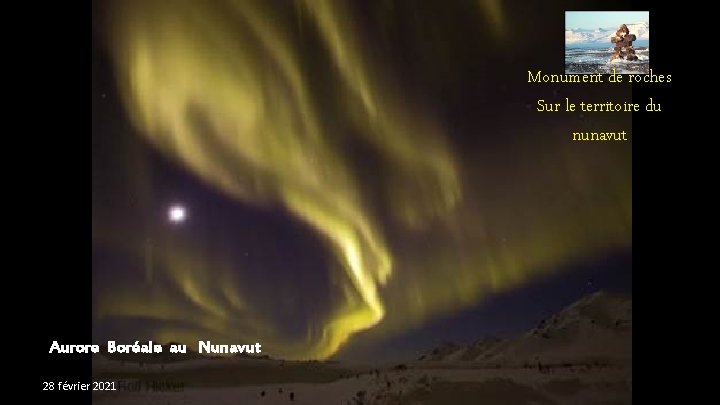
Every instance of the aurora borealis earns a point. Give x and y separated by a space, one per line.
377 205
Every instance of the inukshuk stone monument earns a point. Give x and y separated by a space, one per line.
623 40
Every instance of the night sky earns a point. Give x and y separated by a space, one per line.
359 180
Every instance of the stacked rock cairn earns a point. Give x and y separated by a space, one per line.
623 40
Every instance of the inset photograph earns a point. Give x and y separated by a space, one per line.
600 41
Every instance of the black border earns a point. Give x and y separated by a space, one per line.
54 297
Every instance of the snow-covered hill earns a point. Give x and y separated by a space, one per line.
596 329
602 35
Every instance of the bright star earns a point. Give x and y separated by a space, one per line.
177 214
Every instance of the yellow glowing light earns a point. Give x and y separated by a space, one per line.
225 96
222 87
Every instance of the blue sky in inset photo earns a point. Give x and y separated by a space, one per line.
603 19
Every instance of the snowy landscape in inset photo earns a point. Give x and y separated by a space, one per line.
600 41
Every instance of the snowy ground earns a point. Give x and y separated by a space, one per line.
579 356
577 385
